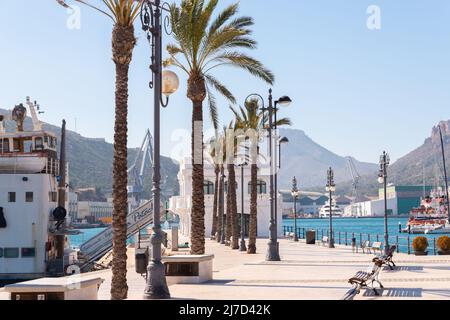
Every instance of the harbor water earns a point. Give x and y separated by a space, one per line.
363 229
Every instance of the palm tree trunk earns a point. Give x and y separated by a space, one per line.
215 205
123 42
220 213
197 93
253 210
233 207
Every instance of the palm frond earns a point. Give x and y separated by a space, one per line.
243 61
220 88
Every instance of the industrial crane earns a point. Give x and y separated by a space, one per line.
355 178
144 158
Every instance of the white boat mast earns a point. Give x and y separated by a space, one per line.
37 125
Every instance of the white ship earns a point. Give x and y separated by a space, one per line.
336 211
32 242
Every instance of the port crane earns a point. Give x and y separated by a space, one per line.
144 158
355 177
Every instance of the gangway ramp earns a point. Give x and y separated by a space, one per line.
98 246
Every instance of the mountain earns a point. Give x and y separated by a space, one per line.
425 162
309 162
422 165
90 161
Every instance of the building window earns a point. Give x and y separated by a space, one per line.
28 252
11 197
208 188
38 145
52 196
11 253
28 196
4 145
261 187
1 252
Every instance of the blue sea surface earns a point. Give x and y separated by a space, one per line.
363 229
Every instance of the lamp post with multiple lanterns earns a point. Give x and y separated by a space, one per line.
162 83
331 187
295 194
273 246
382 179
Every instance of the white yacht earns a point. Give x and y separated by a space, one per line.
335 210
29 212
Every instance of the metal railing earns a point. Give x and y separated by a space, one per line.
403 243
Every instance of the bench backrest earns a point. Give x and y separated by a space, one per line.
376 245
365 244
325 239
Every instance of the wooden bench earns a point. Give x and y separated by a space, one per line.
364 246
376 246
386 259
324 241
363 279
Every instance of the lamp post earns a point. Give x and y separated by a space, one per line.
222 207
331 187
282 141
295 194
273 246
162 83
242 246
382 179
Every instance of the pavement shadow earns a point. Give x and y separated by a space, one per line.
403 268
396 292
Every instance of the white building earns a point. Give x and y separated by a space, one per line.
95 211
73 206
181 205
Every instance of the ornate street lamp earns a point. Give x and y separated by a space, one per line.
295 194
162 83
273 252
382 179
242 246
331 187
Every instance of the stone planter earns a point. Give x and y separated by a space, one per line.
421 253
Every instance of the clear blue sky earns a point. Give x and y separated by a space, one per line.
355 91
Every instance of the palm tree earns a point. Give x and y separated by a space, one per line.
251 118
123 13
202 45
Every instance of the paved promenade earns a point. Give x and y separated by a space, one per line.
306 272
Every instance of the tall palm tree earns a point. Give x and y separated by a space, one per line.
250 118
202 45
123 13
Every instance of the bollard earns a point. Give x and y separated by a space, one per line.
398 246
345 237
409 247
378 238
434 246
368 238
339 237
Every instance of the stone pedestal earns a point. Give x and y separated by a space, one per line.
65 288
188 269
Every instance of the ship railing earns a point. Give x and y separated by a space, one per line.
403 243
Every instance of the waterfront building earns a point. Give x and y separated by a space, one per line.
309 203
73 206
400 200
181 205
94 212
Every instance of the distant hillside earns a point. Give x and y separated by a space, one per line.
309 161
425 161
90 162
423 164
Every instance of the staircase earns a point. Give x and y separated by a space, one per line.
95 248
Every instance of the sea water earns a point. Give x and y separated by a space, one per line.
363 230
